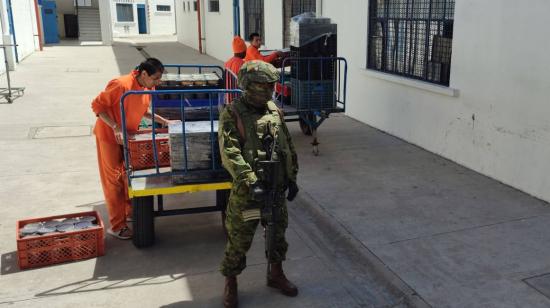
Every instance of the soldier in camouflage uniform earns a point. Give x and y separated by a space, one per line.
241 127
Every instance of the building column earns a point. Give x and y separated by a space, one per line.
106 23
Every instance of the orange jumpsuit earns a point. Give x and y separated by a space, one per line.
109 153
252 53
234 64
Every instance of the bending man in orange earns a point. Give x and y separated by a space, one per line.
253 52
109 137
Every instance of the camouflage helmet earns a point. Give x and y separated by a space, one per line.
256 71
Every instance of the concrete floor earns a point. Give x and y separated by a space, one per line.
378 222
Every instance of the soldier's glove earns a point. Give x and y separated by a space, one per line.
292 190
257 191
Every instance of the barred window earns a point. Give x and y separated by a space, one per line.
214 6
254 18
292 8
411 38
195 6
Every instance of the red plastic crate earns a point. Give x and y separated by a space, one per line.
141 151
42 250
284 90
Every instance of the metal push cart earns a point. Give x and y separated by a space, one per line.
308 95
144 185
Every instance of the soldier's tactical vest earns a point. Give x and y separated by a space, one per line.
252 126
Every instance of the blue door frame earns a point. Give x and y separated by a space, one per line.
49 22
142 19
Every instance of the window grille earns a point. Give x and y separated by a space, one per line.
411 38
292 8
254 17
214 6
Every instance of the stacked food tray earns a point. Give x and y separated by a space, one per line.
196 106
195 155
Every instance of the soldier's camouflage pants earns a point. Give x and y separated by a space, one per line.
241 232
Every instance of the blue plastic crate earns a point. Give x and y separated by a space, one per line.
313 94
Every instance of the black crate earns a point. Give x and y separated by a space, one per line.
322 47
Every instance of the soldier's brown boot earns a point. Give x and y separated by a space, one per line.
230 297
276 279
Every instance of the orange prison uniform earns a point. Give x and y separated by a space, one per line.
252 53
109 153
234 64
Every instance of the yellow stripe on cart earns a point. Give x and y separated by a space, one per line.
143 191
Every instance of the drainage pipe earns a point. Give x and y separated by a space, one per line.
199 24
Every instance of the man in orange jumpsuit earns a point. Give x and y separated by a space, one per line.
234 65
253 52
239 52
109 137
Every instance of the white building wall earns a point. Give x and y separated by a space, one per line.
498 124
127 28
218 27
273 24
162 22
219 30
158 22
186 23
24 19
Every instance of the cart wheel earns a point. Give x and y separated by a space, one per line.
144 222
222 199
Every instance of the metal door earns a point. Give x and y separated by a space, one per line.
49 22
142 19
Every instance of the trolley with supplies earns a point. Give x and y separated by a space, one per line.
310 89
183 158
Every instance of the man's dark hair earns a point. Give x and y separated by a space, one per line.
151 66
253 35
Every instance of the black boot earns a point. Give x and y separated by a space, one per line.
277 279
230 296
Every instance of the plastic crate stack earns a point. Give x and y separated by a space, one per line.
313 81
